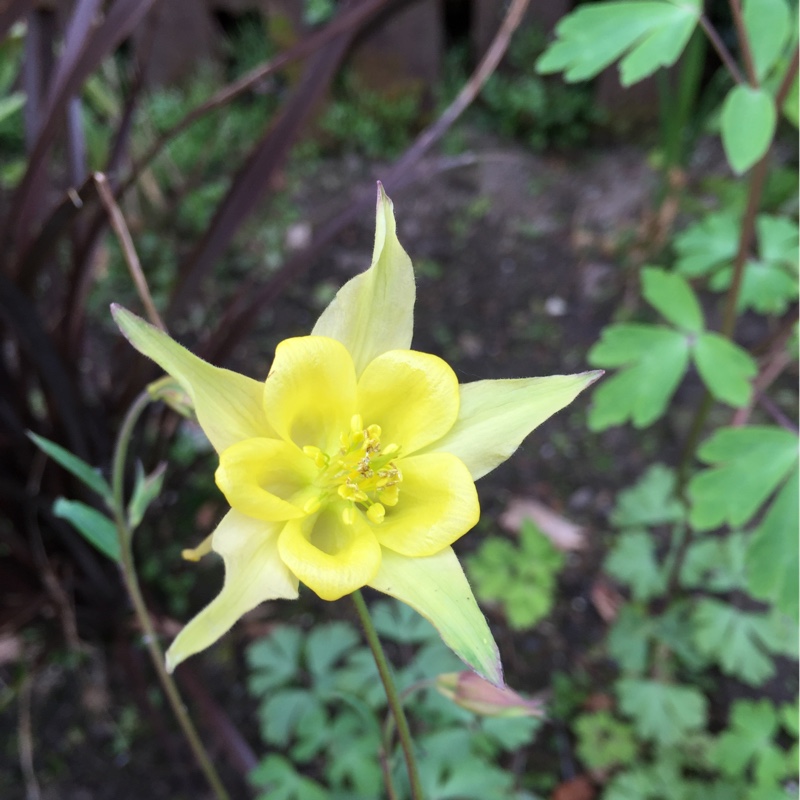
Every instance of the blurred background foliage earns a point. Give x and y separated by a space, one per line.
243 171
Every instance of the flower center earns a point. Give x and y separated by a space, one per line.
361 472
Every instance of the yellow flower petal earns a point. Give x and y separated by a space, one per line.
310 393
374 312
438 504
229 406
437 588
253 573
329 556
265 478
495 416
412 396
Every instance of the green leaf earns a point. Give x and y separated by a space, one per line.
278 776
274 660
672 296
10 104
283 711
734 639
752 728
650 501
653 34
767 287
146 489
791 106
726 369
522 578
95 527
768 25
773 560
662 712
748 125
327 644
778 239
769 283
633 561
656 360
399 623
707 244
629 639
604 742
716 564
750 464
74 465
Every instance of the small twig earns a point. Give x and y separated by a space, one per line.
771 407
744 41
468 92
722 51
775 366
25 733
128 250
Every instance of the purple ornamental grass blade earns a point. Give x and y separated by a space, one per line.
251 183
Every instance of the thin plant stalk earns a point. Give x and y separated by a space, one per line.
125 535
392 695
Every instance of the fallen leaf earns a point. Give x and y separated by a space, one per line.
580 788
565 535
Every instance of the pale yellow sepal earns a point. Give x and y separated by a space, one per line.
495 416
229 406
374 312
437 588
253 573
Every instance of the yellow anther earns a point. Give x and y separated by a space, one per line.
196 553
350 491
374 432
390 449
389 494
375 513
316 455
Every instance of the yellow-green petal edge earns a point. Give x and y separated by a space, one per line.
229 406
374 312
436 587
495 416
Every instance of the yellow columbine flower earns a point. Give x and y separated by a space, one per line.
354 463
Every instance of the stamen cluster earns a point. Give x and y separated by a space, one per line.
362 472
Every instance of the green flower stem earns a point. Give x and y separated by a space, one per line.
391 694
125 535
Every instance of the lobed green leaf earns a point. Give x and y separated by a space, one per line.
733 639
633 561
652 34
773 557
671 295
657 357
749 465
708 243
650 501
726 369
662 712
